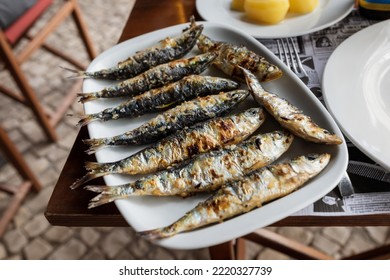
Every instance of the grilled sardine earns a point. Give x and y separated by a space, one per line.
230 56
163 98
289 116
203 173
167 50
179 117
186 143
238 197
153 78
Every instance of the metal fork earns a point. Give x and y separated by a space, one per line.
288 53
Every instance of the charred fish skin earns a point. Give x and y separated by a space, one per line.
153 78
163 98
177 118
230 56
204 173
259 187
289 116
200 138
168 49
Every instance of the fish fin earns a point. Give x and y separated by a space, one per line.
86 178
95 167
94 145
107 194
95 170
76 73
86 119
165 106
157 233
98 189
85 97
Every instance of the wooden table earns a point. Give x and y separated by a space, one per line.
68 207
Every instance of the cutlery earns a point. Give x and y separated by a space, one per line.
345 186
288 54
369 170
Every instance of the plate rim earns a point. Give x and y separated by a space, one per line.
201 7
329 101
342 150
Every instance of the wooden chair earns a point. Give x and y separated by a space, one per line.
12 60
19 192
235 249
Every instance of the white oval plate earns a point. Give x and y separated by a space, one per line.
144 213
326 14
356 87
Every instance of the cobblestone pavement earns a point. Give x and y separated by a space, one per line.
31 237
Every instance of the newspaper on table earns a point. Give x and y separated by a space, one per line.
314 51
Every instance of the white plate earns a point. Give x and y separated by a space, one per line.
144 213
356 87
326 14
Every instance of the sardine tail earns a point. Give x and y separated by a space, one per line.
86 119
101 199
85 97
86 178
94 145
107 194
95 170
76 73
154 234
98 189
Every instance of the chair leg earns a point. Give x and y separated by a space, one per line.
224 251
14 205
81 26
17 160
287 246
15 70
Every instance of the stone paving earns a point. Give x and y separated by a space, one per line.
31 237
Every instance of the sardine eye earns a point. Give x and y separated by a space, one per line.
312 156
252 111
258 143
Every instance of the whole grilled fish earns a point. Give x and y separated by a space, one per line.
252 191
179 117
163 98
167 50
204 173
153 78
289 116
186 143
230 56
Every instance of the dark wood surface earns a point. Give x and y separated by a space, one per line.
69 207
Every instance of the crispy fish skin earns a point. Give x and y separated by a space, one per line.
167 50
204 173
153 78
163 98
230 56
289 116
184 144
179 117
238 197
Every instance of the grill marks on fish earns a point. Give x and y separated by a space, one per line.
204 173
163 98
179 117
153 78
230 56
202 137
168 49
289 116
250 192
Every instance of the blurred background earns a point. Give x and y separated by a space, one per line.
30 236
